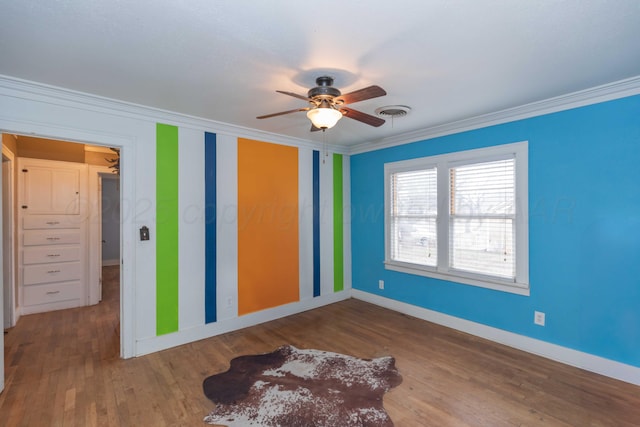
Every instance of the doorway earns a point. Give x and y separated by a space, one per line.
99 160
110 211
105 226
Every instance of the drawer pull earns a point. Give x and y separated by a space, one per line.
53 292
53 271
53 255
53 222
53 238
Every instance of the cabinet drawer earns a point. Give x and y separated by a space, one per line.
32 222
46 273
48 254
43 294
50 237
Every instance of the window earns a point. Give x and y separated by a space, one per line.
414 217
461 217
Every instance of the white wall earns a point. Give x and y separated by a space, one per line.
34 109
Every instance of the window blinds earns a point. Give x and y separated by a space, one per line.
482 218
414 205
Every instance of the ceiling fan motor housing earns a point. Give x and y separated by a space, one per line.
324 89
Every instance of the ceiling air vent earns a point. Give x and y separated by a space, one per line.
393 111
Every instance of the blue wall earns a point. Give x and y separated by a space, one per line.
584 231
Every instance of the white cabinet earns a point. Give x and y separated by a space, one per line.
51 190
52 254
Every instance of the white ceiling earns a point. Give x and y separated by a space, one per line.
223 60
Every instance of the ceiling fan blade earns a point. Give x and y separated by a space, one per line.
362 117
283 113
314 129
295 95
361 95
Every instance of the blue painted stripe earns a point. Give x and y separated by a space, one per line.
210 303
316 223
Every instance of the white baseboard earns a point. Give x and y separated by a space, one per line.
163 342
586 361
110 262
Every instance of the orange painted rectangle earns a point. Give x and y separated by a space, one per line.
268 249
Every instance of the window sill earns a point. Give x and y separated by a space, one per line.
513 288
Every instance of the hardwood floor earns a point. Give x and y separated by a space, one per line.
63 369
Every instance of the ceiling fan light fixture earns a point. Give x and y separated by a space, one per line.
327 104
324 117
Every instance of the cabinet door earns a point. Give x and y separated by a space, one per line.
49 190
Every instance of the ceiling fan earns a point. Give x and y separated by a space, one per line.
327 104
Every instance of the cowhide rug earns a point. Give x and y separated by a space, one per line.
292 387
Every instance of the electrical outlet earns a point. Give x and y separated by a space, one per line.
380 284
229 302
538 318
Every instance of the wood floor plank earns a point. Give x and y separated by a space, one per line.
63 369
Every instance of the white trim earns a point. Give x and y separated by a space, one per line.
128 229
568 356
603 93
442 163
15 314
30 90
163 342
127 186
25 89
512 288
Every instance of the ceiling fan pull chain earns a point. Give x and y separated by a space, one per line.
325 146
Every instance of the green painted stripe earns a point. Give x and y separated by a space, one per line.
166 229
338 225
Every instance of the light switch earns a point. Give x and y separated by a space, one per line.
144 233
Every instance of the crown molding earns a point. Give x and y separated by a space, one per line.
35 91
595 95
25 89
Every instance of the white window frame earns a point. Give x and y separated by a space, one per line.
443 162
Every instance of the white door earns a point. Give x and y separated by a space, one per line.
7 241
95 232
100 239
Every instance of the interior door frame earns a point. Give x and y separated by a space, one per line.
13 314
2 293
126 145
